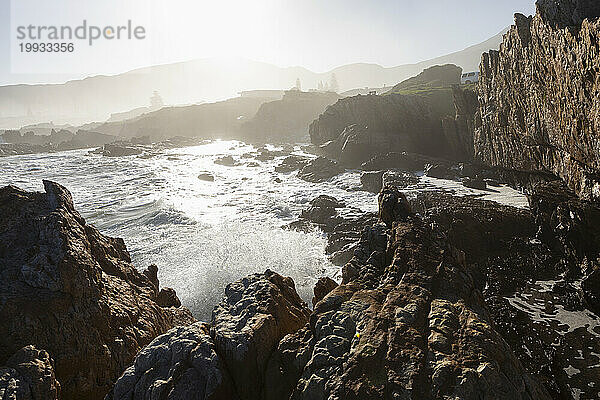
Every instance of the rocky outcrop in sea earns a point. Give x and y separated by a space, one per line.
416 116
440 297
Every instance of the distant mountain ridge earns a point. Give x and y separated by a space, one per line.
96 98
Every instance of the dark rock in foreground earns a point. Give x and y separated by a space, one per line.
422 311
73 292
253 316
224 360
407 322
181 364
529 264
29 375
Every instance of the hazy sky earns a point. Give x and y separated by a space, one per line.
315 34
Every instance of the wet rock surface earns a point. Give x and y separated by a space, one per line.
68 289
292 163
341 224
121 149
207 177
374 181
227 161
441 297
320 170
529 266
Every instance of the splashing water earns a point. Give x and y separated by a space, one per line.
201 234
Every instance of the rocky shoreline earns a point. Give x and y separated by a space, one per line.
440 296
424 307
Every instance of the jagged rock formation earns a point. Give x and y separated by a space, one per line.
424 310
181 364
355 129
322 288
292 163
253 316
407 322
408 119
512 253
319 170
73 292
29 375
540 96
226 359
458 131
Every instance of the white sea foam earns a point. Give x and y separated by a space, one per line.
201 234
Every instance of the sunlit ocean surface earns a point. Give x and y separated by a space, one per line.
203 235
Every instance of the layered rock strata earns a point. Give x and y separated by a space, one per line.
540 96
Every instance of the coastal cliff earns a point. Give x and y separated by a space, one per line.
440 296
540 96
